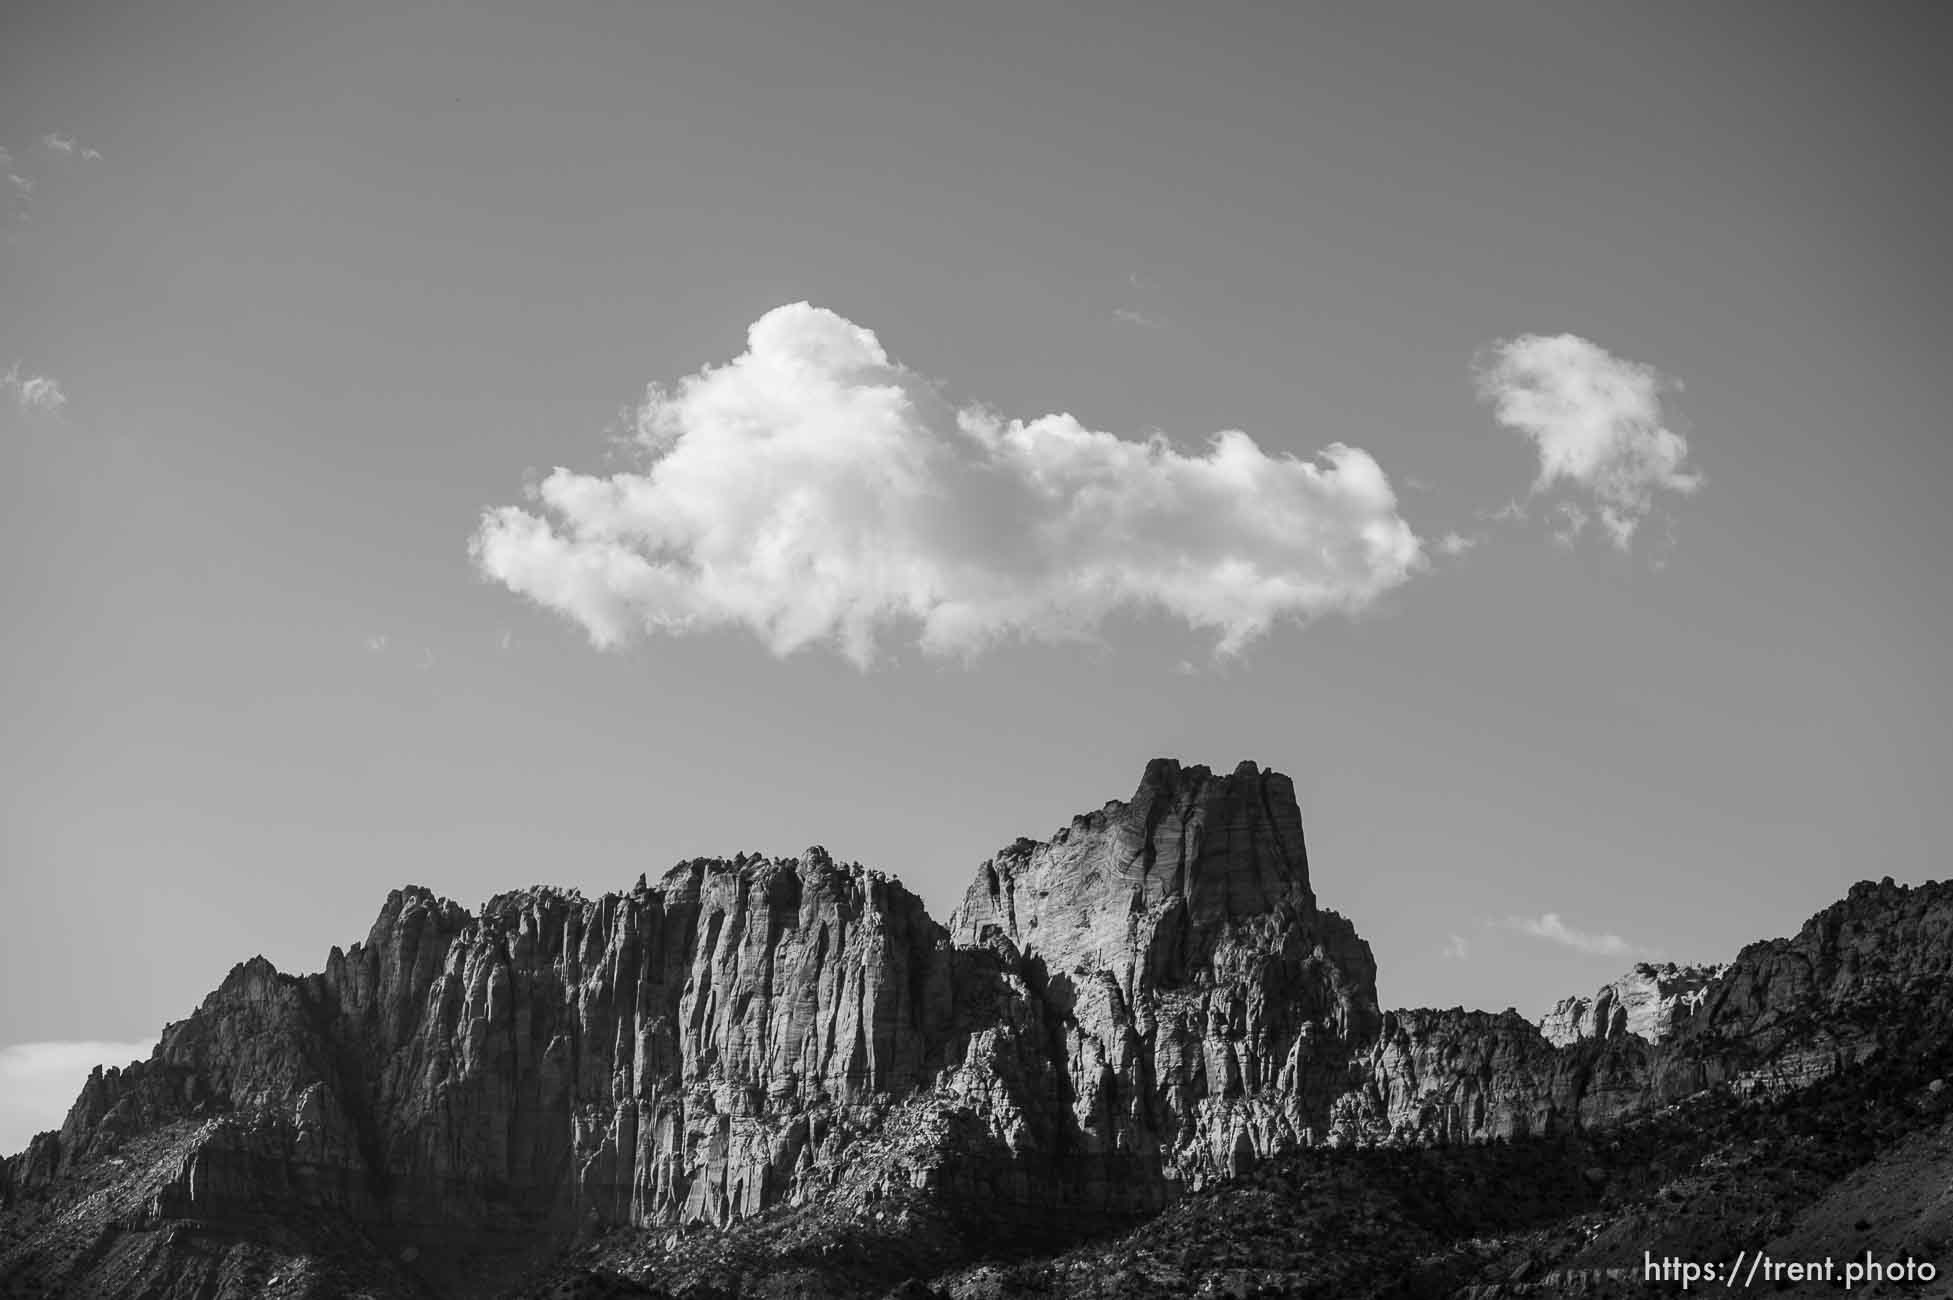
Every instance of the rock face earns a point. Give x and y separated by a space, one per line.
685 1053
1206 1010
1857 980
1149 1001
1649 1002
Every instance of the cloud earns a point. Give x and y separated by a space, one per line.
1509 513
1456 544
813 491
19 187
1550 927
33 394
1143 319
62 142
39 1082
1455 948
1573 521
377 642
1596 420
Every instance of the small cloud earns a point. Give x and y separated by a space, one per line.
1456 544
1455 948
63 143
1596 421
1509 513
18 187
40 1081
1572 521
33 394
377 643
1550 927
1142 319
1140 282
508 639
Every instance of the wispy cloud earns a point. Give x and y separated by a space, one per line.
63 143
1454 544
33 394
813 491
1145 320
1509 513
39 1082
1596 421
1570 520
1552 928
377 642
1455 948
18 187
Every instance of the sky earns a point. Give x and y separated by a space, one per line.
454 445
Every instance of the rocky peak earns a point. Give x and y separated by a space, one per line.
1206 1008
1149 886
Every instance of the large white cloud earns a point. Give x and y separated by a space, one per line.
1596 420
813 491
40 1081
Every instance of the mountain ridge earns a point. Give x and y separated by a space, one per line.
1149 1003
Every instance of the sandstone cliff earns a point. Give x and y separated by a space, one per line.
1858 979
687 1052
1207 1009
1650 1002
1149 1001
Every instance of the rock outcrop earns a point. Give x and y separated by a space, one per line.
1206 1010
1858 979
1150 1001
1650 1002
689 1052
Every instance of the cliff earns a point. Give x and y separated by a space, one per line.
1866 976
1650 1002
1148 1002
1206 1009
